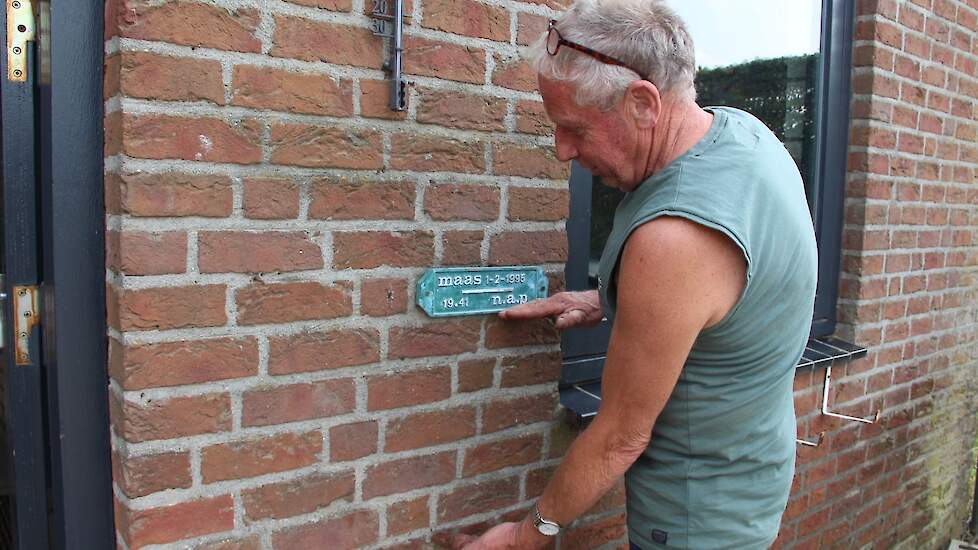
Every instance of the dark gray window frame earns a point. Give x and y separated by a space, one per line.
584 349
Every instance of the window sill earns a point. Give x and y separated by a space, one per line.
581 399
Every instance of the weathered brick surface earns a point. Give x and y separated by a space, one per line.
255 457
272 380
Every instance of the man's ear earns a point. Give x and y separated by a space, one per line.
643 103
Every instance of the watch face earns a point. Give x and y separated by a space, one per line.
548 529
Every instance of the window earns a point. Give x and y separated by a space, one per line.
788 63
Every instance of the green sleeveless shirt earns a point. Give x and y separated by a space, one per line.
718 469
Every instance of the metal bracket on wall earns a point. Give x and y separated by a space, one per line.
825 403
388 16
816 443
20 31
26 317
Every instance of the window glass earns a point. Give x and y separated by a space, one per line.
761 56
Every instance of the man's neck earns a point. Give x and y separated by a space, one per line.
681 126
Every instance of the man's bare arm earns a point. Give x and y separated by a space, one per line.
675 278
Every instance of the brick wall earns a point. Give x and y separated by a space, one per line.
272 384
274 387
909 292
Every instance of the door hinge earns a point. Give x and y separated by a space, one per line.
20 31
26 317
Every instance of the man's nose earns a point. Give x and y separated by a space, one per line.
565 150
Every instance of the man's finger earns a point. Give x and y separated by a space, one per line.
570 318
536 309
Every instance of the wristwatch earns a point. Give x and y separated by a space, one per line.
546 527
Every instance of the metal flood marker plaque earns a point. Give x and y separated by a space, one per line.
453 291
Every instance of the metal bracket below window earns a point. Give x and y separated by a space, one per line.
825 403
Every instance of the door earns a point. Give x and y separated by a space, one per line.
25 484
55 480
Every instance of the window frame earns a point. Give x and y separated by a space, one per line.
584 349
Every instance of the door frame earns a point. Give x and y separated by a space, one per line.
71 233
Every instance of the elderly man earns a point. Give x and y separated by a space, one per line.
708 277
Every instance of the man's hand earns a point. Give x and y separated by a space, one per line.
500 537
569 309
505 536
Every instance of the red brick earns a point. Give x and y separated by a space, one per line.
530 162
375 96
514 73
408 388
500 415
172 307
332 199
139 476
191 138
462 247
191 24
288 302
297 402
143 366
383 297
450 202
407 515
528 248
331 5
538 204
431 154
111 69
458 110
530 28
255 457
593 535
497 455
176 417
270 198
477 498
151 76
302 496
370 249
540 368
113 133
444 60
315 351
326 147
531 118
354 530
352 441
280 90
505 334
172 194
475 374
435 338
320 41
468 18
140 253
407 474
180 521
257 252
249 543
429 428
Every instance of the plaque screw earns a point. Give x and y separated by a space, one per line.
17 50
18 72
16 5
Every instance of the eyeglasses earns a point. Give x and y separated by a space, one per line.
555 41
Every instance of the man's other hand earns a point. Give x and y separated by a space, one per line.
568 309
505 536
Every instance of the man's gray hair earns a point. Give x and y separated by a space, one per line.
645 34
